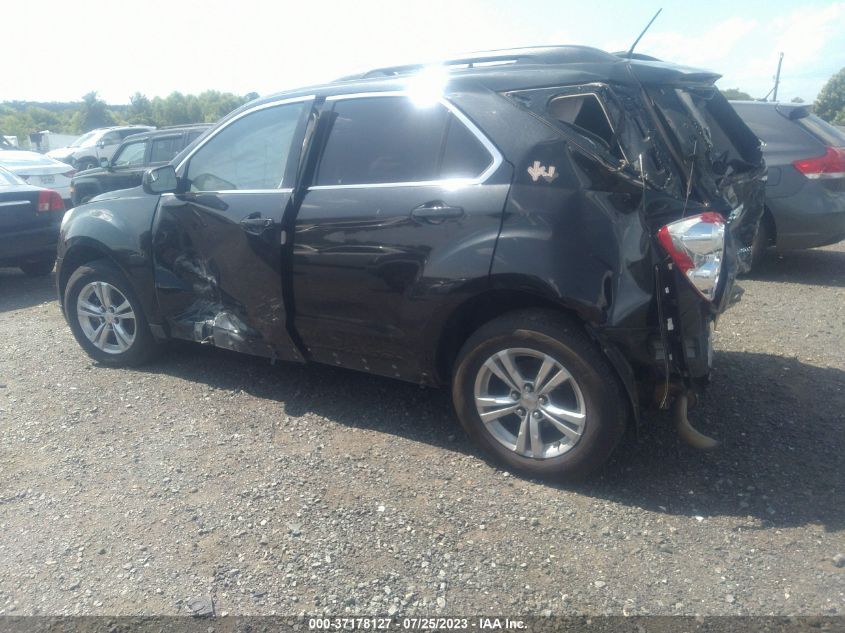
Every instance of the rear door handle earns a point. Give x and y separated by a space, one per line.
436 211
256 225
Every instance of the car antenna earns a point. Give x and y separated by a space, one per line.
637 41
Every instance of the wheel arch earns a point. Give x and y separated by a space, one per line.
769 218
78 254
486 306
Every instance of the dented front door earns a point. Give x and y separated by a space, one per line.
218 246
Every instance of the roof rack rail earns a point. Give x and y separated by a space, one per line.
181 125
512 56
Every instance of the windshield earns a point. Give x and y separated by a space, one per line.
86 139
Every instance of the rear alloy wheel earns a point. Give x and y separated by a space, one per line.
40 268
105 317
530 403
534 391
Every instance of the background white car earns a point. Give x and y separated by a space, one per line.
39 170
88 149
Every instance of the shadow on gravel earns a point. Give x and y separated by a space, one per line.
18 291
781 424
815 267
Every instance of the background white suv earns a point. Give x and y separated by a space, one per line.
86 151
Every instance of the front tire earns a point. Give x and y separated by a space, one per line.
535 392
106 317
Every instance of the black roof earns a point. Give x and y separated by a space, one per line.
515 69
168 130
791 111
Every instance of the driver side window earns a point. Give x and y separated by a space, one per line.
250 153
131 155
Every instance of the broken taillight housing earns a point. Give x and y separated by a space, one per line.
697 245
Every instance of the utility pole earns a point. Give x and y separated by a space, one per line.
777 78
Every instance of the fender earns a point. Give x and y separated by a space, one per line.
125 224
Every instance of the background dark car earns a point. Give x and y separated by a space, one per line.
805 192
135 154
29 225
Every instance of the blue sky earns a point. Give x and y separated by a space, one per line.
155 47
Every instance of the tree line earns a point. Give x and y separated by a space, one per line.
21 118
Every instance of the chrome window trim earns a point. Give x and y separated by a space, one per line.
231 191
491 149
263 106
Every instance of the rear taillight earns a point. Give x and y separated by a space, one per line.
49 200
696 245
69 174
829 165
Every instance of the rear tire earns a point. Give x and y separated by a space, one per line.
108 322
40 268
584 414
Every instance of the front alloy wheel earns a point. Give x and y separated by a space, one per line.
106 317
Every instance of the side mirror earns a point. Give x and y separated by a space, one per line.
104 163
160 180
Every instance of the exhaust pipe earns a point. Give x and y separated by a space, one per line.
686 430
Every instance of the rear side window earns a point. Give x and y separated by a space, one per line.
111 138
164 149
250 153
463 156
586 114
773 128
382 140
823 131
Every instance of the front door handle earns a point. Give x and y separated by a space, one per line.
254 224
436 211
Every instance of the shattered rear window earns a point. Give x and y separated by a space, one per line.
587 116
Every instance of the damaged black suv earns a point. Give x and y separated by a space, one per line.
551 232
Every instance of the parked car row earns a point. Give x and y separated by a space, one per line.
89 149
135 154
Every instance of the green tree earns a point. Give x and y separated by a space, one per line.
140 109
830 104
735 94
92 114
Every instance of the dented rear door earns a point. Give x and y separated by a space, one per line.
218 246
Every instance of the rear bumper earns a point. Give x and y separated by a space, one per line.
21 247
812 216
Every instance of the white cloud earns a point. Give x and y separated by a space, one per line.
713 47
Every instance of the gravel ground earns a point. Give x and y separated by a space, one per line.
287 489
